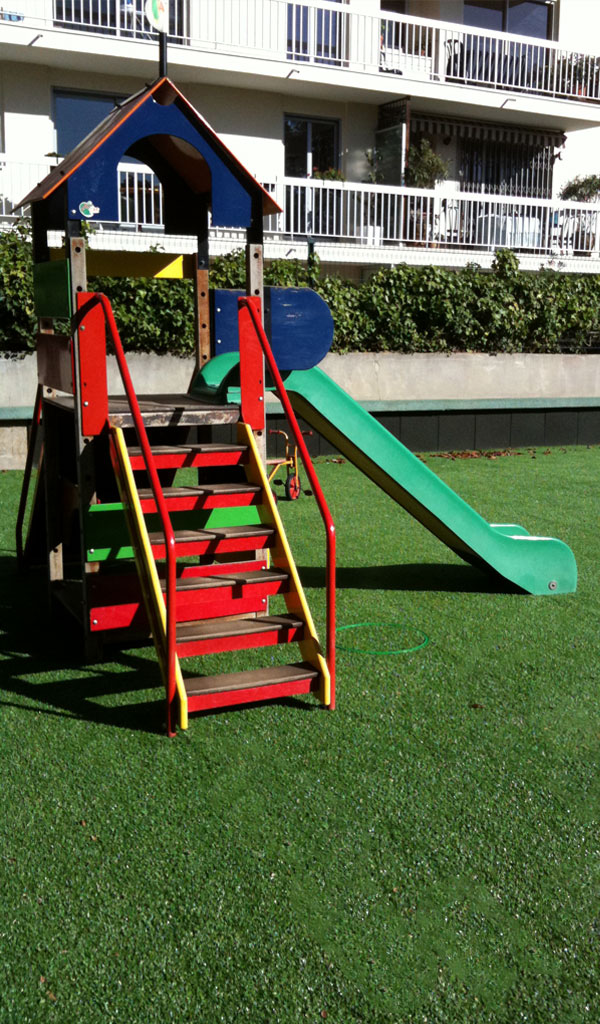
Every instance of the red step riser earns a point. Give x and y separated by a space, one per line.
189 461
210 547
253 598
222 569
207 701
121 616
199 502
189 648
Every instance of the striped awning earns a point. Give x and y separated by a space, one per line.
455 128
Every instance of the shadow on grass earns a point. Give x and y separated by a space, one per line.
34 644
402 577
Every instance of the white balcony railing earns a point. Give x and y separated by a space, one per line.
122 18
356 214
380 215
337 36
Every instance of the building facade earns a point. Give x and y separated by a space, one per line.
422 131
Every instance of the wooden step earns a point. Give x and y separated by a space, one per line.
211 636
228 593
115 599
205 692
227 539
204 497
178 456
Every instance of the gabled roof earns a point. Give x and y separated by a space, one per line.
182 158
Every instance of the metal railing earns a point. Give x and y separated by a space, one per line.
381 215
354 213
123 18
252 305
170 652
338 36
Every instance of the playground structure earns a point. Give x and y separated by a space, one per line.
130 551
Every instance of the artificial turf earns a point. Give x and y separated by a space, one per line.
429 852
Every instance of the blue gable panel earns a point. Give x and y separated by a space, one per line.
301 325
93 188
298 323
224 308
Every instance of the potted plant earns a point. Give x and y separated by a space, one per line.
424 169
580 229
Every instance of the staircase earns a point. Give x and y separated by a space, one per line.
181 542
226 569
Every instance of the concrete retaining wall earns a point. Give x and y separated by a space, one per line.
381 380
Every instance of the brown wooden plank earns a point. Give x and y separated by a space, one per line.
274 675
171 410
214 629
184 492
54 363
237 579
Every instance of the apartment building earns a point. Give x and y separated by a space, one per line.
329 105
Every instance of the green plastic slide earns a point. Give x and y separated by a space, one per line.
538 565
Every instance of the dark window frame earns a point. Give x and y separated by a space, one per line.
317 119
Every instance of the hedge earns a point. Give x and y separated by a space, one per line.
399 309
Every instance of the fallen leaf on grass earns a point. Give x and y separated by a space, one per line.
479 454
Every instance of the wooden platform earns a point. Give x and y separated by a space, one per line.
162 410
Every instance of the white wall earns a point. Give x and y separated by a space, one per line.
579 29
250 123
579 25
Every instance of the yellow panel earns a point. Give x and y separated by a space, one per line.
116 263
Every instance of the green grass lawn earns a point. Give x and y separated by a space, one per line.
427 853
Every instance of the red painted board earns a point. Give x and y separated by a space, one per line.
92 369
220 568
187 459
227 545
186 503
252 368
202 702
186 649
216 602
119 616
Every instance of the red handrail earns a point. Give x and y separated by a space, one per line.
155 484
252 304
35 423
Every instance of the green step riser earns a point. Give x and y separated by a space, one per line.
107 537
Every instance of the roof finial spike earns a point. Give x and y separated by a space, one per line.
157 13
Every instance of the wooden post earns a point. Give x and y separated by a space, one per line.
84 446
201 298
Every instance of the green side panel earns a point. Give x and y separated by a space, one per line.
538 565
52 289
107 538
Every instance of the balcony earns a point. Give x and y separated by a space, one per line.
321 37
356 223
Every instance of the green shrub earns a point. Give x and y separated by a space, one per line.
399 309
17 318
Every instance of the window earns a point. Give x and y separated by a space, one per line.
507 168
521 17
311 146
76 114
